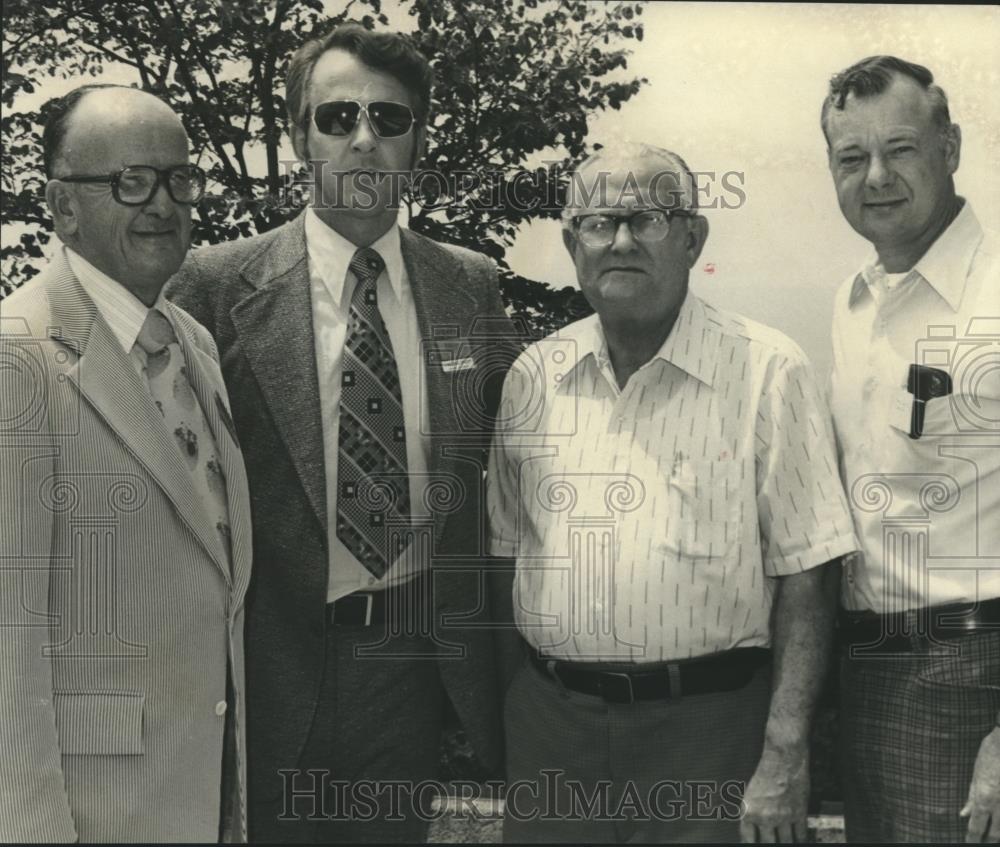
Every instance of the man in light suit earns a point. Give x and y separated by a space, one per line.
364 362
125 528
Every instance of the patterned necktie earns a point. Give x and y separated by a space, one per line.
166 376
373 495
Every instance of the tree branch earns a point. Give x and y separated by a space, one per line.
199 51
198 105
111 54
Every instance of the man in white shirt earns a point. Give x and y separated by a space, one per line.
365 363
125 531
664 474
916 403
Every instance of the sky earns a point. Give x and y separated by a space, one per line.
736 88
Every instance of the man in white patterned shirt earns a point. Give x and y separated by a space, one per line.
663 474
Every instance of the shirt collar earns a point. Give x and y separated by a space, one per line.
692 341
689 345
945 266
124 312
330 256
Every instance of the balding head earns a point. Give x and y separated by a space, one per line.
658 176
93 134
87 116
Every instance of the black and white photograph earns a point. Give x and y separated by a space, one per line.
499 421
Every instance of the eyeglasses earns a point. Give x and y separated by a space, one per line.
387 119
647 226
136 185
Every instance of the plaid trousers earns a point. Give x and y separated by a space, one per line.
911 726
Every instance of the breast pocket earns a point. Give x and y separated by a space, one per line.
96 723
704 501
455 386
963 414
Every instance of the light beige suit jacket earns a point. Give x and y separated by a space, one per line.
119 610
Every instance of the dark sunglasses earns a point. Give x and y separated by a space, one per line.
387 119
136 185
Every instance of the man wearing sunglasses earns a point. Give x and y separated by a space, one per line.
680 486
125 551
365 364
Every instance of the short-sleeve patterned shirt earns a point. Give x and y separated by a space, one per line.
650 523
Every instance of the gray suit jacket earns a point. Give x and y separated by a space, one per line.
254 297
121 612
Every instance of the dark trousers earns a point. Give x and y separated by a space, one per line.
665 770
911 726
375 736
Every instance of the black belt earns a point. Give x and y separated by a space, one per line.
363 608
726 671
916 629
373 608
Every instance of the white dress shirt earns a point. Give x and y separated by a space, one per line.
121 309
649 523
331 287
927 510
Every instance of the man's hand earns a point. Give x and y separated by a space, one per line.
983 806
776 799
777 796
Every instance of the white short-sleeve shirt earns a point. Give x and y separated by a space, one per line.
650 523
927 509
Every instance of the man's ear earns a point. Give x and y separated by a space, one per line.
697 235
63 207
952 147
569 239
300 141
419 147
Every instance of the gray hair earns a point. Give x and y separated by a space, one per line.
683 194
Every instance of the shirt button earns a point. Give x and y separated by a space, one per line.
371 580
220 708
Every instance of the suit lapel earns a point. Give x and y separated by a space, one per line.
107 380
275 328
444 308
210 390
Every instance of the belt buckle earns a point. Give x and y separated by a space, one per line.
369 605
618 675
